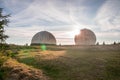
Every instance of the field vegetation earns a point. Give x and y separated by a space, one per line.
74 63
60 63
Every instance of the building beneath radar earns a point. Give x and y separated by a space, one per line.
85 37
43 37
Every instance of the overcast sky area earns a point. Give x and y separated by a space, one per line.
63 18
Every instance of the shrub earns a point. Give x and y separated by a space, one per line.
2 60
10 53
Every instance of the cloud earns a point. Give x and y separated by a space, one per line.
25 34
108 16
62 18
55 13
21 35
15 6
36 13
108 37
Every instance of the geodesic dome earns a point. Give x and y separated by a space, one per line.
43 37
86 37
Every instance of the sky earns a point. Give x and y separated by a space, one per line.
63 18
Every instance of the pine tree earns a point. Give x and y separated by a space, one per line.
103 43
3 22
114 43
97 43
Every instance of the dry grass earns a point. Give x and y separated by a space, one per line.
19 71
49 55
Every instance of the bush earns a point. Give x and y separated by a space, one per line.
2 60
3 47
11 53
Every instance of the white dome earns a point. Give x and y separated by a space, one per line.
86 37
43 37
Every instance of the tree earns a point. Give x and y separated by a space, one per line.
114 43
97 43
103 43
3 22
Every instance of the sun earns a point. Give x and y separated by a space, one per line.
74 32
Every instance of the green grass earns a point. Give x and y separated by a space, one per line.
75 64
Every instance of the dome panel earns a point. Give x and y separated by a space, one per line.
86 37
43 37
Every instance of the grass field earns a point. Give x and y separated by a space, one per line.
66 63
